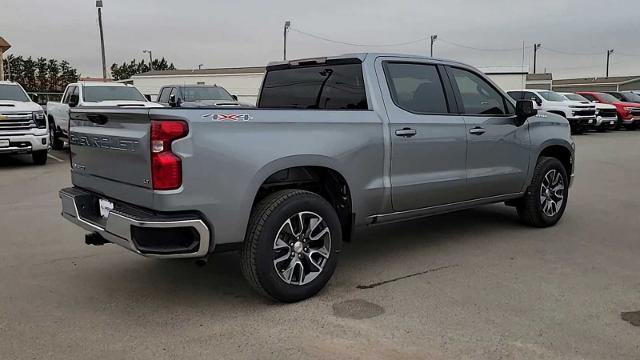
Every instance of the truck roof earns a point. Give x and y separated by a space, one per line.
100 83
8 83
362 57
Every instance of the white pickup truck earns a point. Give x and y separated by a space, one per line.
90 94
23 127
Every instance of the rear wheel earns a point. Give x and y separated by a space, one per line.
631 127
54 137
546 198
291 247
39 157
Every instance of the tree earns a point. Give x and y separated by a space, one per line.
127 70
40 75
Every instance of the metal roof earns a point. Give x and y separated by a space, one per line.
539 77
598 80
4 45
218 71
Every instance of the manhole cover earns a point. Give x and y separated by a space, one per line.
357 309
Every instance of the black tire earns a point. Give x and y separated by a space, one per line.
578 129
631 127
267 217
54 136
530 208
618 124
39 157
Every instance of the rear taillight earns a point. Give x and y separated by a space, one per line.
166 167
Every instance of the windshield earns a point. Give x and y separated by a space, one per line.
107 93
13 93
199 93
608 98
551 96
631 97
576 97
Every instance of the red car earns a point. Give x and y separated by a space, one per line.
628 112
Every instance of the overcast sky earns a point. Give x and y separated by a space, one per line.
249 32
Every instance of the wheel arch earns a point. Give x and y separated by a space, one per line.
560 152
318 174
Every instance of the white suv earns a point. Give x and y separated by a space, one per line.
606 114
23 125
580 116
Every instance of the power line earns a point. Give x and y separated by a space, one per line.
571 53
356 44
481 49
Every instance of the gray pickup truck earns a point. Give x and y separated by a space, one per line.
334 145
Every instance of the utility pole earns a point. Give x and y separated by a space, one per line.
433 39
104 61
609 52
287 25
150 58
200 66
536 47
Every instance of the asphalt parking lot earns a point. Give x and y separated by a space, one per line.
468 285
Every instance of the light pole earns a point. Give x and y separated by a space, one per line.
200 66
287 25
104 61
433 39
609 52
536 47
150 58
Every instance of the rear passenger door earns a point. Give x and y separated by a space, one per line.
498 146
428 139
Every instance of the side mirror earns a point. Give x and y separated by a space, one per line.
525 109
173 101
234 97
74 100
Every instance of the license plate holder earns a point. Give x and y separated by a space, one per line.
105 207
4 143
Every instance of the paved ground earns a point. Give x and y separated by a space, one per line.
487 287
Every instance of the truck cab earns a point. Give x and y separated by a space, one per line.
23 126
90 94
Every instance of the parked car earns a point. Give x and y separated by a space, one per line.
23 125
580 116
627 96
336 145
606 115
90 94
628 112
196 96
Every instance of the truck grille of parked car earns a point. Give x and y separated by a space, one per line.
607 112
585 112
20 121
635 111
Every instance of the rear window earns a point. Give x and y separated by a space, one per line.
108 93
199 93
329 87
13 93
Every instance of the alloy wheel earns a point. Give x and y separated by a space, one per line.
301 248
552 192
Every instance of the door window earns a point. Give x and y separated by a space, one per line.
164 95
416 88
67 95
477 95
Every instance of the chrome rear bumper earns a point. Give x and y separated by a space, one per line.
78 207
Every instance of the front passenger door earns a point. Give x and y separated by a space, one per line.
498 146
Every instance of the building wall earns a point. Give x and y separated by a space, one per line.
245 86
509 81
635 85
584 87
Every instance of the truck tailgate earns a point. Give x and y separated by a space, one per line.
110 152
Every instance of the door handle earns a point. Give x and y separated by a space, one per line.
406 132
477 131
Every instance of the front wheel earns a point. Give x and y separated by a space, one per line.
39 157
291 248
546 197
54 137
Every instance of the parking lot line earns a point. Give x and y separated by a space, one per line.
55 158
